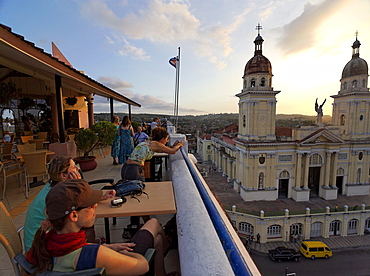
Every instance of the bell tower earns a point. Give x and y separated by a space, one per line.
351 107
257 99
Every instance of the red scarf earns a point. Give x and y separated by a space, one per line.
60 244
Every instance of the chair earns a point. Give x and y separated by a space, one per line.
28 133
25 139
11 168
26 148
39 143
10 237
42 135
34 166
11 240
7 151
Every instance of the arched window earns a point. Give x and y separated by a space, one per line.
246 228
284 174
316 159
263 81
354 84
334 228
345 85
358 179
342 119
209 158
352 226
253 83
363 83
296 229
316 229
367 224
209 147
244 121
274 231
340 171
260 181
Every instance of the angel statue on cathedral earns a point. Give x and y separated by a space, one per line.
318 109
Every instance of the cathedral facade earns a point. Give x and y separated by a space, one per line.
266 162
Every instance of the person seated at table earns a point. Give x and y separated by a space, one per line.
70 207
60 168
140 135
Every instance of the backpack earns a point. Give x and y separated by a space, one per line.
131 188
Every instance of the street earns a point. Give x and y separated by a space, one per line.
346 262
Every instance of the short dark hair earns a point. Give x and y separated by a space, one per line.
158 133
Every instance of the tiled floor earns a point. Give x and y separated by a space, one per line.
17 204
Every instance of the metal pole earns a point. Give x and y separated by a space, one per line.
111 109
58 95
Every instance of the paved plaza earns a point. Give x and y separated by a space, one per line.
228 197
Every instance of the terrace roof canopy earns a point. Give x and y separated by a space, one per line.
22 59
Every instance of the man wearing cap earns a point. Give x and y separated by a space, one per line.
70 207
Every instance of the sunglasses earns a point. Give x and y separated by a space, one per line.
88 207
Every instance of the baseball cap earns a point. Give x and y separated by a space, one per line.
69 195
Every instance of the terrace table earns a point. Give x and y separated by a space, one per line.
161 201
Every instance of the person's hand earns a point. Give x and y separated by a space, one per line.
45 224
108 194
73 175
127 246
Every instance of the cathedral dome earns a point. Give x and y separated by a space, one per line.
258 64
356 66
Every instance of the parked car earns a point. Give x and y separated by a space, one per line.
284 253
315 249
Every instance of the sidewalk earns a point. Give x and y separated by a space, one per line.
334 243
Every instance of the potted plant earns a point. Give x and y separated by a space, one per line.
71 100
102 134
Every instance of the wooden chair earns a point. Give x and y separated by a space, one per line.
7 153
28 133
11 239
25 139
26 148
42 135
11 168
34 166
39 143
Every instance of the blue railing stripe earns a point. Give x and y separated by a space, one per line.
237 263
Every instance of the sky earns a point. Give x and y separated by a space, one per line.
126 45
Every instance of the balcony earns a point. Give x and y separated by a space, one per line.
208 243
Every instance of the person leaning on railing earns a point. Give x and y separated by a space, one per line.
133 169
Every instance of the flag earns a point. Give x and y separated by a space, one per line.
173 61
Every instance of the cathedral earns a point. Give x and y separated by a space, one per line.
265 162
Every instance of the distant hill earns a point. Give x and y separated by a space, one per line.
213 116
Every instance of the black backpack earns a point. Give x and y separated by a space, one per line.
131 188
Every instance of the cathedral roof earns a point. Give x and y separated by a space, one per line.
356 66
258 63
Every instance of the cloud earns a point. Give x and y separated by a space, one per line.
301 33
114 83
136 53
267 10
162 22
148 103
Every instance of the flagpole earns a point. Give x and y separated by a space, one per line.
178 87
